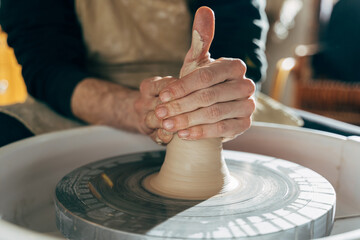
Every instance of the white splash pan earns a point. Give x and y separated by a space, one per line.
30 170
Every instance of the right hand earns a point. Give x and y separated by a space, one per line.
212 98
145 105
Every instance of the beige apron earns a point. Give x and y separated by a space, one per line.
128 41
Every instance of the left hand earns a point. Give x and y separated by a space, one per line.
144 107
212 98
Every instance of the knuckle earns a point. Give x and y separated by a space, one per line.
239 65
162 83
207 96
206 75
244 88
174 107
185 121
250 86
143 86
251 105
214 112
148 120
178 89
246 123
182 121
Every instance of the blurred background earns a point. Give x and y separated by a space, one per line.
311 50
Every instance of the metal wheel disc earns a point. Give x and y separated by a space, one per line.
276 199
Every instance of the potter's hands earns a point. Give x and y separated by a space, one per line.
97 101
144 106
212 101
213 97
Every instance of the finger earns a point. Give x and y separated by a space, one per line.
202 36
164 135
152 103
204 25
151 121
214 73
161 136
229 128
154 136
228 91
143 106
211 114
152 86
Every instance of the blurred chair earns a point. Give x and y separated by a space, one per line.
12 86
324 96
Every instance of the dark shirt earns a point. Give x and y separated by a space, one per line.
48 42
340 51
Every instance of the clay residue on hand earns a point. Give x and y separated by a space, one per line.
198 44
197 47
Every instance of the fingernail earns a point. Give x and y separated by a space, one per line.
166 133
183 134
165 96
161 112
168 124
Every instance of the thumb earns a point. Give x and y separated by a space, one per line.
202 36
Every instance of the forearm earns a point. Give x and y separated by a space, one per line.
100 102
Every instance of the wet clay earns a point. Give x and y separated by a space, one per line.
193 170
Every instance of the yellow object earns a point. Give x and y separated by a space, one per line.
12 86
283 69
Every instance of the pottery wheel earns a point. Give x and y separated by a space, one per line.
275 199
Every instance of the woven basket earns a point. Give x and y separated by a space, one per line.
335 99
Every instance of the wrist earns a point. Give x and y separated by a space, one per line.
101 102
